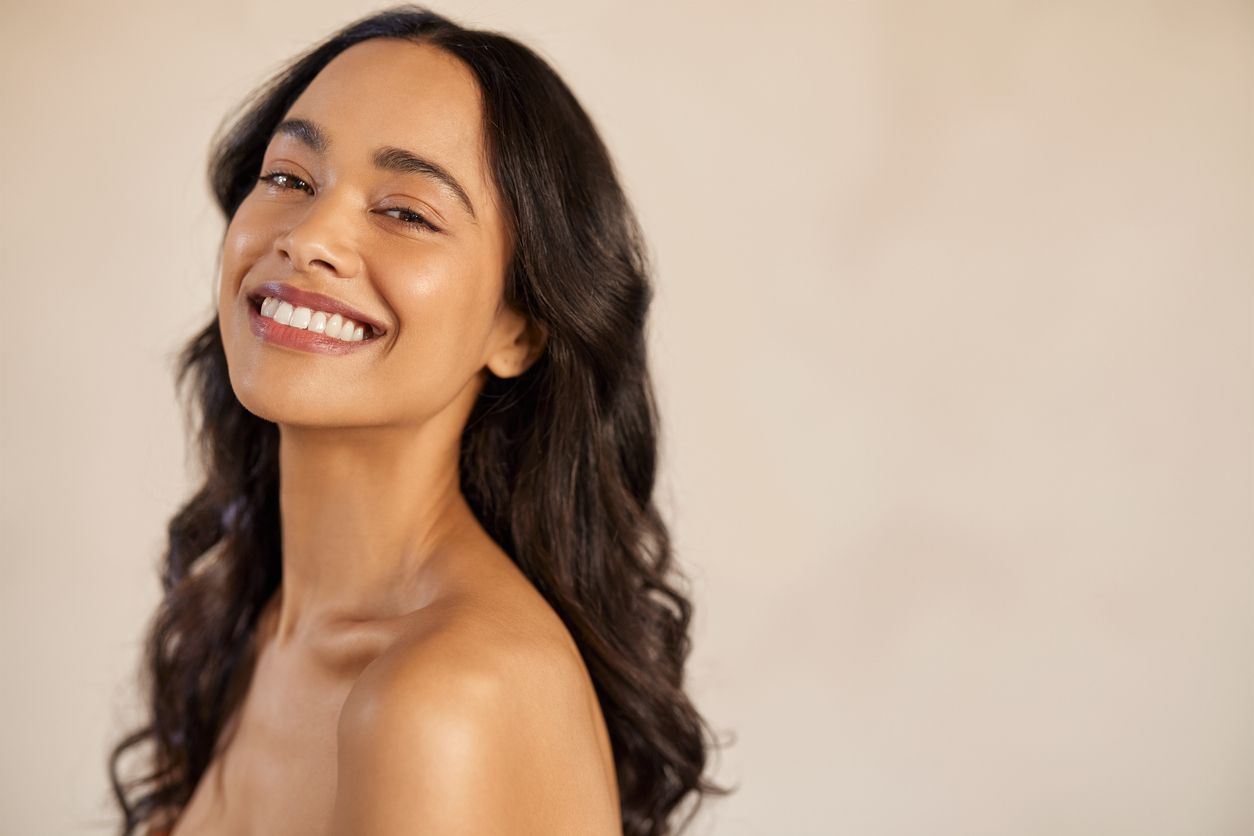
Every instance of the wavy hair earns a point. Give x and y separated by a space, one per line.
558 463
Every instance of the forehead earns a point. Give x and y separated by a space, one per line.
391 92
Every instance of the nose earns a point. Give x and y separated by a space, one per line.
322 239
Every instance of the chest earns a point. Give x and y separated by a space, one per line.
275 771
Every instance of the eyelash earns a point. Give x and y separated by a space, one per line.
417 219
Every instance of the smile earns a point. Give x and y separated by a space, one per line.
319 322
279 322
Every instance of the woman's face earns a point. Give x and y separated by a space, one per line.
348 219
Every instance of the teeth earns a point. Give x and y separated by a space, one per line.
330 325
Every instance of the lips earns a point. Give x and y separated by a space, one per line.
308 299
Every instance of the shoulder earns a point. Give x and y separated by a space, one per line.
463 727
465 656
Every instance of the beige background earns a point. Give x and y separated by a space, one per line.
953 339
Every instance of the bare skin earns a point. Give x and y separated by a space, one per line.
409 678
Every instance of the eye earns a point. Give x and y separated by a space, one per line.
282 180
411 218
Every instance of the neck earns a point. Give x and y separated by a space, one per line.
363 511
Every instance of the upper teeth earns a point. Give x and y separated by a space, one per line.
330 325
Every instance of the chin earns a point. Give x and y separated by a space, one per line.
281 398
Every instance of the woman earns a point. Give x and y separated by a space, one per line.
424 587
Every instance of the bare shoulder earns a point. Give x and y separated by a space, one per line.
470 649
476 721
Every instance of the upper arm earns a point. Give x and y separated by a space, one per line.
461 741
416 759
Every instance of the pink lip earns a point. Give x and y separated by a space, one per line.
308 299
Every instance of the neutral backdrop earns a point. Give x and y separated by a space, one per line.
953 340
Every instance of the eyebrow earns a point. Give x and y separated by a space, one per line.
387 158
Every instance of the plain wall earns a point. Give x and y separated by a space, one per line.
952 339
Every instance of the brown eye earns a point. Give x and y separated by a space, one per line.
408 216
283 180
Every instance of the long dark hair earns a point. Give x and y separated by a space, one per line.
558 463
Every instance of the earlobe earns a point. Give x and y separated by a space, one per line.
525 347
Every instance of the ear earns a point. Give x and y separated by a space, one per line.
518 341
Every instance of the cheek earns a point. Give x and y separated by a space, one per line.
247 238
244 244
444 318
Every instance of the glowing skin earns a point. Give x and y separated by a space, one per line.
369 437
384 565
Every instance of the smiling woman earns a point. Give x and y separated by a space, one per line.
424 587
